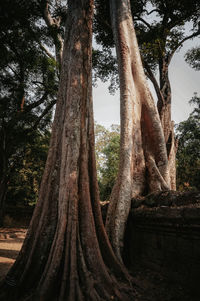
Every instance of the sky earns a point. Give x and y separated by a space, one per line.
184 82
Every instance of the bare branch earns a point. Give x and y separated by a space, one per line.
58 41
170 55
152 78
36 103
152 11
47 16
36 82
14 71
46 51
143 21
47 109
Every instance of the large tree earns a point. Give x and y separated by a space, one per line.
159 40
143 155
66 254
161 29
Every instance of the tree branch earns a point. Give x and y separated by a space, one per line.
36 103
46 51
170 55
143 21
155 84
48 108
58 41
13 70
47 16
152 11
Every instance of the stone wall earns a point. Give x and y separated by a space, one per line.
163 234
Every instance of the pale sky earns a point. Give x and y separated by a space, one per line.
184 81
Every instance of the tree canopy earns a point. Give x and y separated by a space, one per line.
107 143
192 57
161 28
29 83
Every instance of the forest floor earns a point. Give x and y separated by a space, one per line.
150 286
11 240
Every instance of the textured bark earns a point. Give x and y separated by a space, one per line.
66 254
143 155
172 146
164 108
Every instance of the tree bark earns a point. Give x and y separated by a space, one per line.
66 254
164 109
3 192
53 25
3 173
143 156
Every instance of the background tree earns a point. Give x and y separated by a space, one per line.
107 156
188 155
110 168
66 254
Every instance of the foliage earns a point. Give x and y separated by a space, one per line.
105 68
25 179
192 57
110 168
107 155
188 154
28 82
160 27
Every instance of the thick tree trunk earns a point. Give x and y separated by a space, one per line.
143 155
66 254
164 109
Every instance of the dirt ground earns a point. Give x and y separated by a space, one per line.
11 240
150 286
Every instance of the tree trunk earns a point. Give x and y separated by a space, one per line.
164 109
3 192
66 254
54 26
143 156
4 174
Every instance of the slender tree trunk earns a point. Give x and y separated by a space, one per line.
54 26
164 108
66 254
3 173
143 155
3 192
